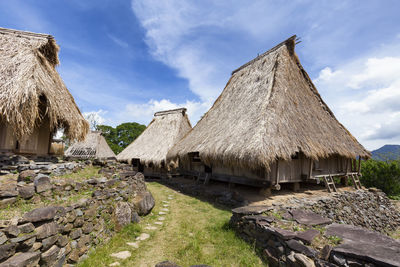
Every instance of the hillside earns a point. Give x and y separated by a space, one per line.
387 152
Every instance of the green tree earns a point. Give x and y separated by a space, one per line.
121 136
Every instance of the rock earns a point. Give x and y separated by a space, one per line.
303 260
143 236
309 218
27 259
298 247
49 241
75 234
8 190
7 250
121 255
35 246
78 222
62 241
133 244
166 264
251 210
284 234
307 236
73 256
3 238
27 244
87 228
26 228
22 238
42 214
49 257
114 264
325 252
6 202
122 215
26 176
144 203
12 231
42 183
135 217
46 230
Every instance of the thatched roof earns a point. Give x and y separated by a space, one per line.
268 110
166 128
94 146
29 79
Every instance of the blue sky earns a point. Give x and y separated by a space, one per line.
124 60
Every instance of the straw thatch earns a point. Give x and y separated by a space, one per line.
268 110
93 147
28 78
151 147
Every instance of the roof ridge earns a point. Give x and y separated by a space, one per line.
26 33
170 111
264 54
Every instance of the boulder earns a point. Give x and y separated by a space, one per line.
135 217
3 238
49 257
26 192
75 234
42 214
303 260
8 190
309 218
26 176
12 231
46 230
144 203
26 228
299 247
251 210
122 215
7 250
49 241
27 259
6 202
42 183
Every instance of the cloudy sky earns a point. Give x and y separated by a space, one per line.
124 60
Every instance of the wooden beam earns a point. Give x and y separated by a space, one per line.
359 165
310 169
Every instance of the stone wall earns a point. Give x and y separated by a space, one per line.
290 235
55 234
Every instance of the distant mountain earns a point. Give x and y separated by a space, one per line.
387 152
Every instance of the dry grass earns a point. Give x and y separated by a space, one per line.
194 232
164 131
81 175
31 88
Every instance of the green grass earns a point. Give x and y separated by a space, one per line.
194 232
84 174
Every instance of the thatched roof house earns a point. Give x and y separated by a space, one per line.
32 93
269 111
151 147
93 147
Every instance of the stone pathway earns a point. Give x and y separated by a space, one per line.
143 236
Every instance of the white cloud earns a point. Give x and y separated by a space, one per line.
95 118
365 96
143 113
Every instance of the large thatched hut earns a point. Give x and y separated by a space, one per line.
268 126
34 101
93 147
148 152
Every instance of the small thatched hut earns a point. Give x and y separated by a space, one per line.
268 126
34 101
93 147
149 151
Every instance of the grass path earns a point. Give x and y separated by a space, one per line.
193 232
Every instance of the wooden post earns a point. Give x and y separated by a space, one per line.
310 169
277 173
296 186
359 165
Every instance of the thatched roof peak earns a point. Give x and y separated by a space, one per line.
165 130
170 111
290 43
31 88
268 110
94 146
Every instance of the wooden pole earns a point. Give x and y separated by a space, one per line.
310 169
359 165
